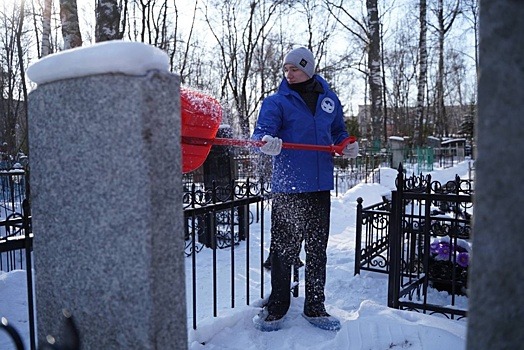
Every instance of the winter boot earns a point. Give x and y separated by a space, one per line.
266 322
321 319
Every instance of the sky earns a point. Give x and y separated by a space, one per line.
360 302
353 93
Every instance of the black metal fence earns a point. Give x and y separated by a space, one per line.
16 237
241 165
421 239
12 234
220 215
372 237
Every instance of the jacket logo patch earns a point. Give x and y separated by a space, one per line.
328 105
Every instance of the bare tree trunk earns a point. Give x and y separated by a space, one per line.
21 55
441 112
107 21
123 15
443 28
384 87
422 78
473 7
362 32
46 28
70 25
188 44
375 79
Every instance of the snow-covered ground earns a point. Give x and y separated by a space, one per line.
358 301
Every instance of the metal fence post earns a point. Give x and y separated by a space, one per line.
395 237
394 254
26 224
358 238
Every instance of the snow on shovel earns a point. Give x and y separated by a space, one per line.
201 117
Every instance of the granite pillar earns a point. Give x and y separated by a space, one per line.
496 308
106 198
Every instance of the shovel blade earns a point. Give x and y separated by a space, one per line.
201 116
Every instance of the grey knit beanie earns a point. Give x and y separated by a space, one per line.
303 59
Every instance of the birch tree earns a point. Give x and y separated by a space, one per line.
70 26
108 20
422 76
471 13
444 24
367 31
46 28
375 76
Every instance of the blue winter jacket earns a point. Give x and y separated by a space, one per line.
286 115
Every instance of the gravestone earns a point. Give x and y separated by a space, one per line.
397 150
496 305
217 173
106 197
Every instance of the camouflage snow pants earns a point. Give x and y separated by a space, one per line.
298 218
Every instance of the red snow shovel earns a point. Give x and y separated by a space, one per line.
201 117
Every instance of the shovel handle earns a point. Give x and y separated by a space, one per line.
338 149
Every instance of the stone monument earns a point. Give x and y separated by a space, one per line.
106 192
397 151
496 307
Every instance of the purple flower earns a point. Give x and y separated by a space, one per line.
463 259
443 251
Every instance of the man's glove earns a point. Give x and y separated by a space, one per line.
351 150
273 145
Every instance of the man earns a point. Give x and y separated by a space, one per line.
304 110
